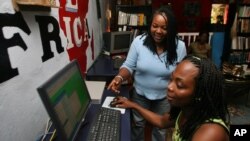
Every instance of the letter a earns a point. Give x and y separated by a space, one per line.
237 132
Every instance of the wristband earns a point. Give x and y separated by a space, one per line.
119 76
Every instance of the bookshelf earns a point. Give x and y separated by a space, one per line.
133 18
240 49
243 22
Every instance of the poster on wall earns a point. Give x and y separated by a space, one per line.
219 13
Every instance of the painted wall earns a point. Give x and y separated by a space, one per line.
34 45
192 15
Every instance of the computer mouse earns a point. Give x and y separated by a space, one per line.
113 104
116 98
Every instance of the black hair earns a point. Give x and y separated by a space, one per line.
201 33
171 40
209 100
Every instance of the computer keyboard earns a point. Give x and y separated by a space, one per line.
106 126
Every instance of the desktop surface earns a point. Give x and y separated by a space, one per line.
102 69
117 62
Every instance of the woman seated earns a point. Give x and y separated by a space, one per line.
198 108
200 47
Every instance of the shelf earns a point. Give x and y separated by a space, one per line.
243 26
132 16
26 5
244 18
244 4
239 50
133 7
242 34
132 26
239 56
243 12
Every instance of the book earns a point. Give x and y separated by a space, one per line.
140 19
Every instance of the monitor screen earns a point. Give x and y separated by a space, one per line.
66 99
117 42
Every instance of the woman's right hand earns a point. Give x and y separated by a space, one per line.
115 85
123 102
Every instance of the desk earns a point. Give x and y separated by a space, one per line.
102 69
125 118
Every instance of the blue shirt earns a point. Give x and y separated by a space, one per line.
151 75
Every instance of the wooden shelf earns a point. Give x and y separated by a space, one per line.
143 12
240 54
25 5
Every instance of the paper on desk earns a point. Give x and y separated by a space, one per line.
95 89
107 101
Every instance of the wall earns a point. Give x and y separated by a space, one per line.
192 15
34 46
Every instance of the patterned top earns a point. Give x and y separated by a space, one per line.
200 50
176 134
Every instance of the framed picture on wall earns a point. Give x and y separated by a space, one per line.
219 13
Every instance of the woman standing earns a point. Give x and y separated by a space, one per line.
150 61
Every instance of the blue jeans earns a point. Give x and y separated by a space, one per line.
138 122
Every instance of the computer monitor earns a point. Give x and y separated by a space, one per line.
66 99
117 42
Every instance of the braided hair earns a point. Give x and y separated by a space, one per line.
171 39
209 99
